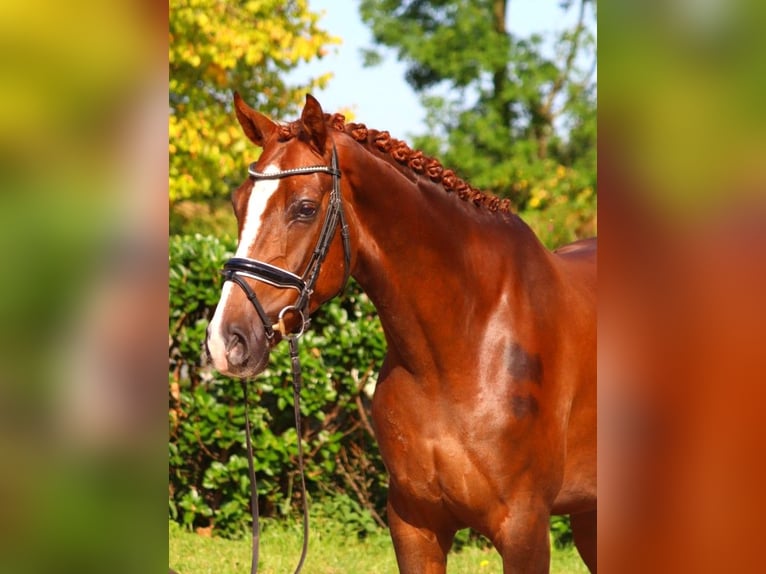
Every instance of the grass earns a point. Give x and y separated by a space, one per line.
331 551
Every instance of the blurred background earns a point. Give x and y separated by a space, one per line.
682 176
83 301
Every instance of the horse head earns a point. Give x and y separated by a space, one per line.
293 251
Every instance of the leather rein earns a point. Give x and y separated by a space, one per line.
237 269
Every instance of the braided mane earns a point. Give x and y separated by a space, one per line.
403 154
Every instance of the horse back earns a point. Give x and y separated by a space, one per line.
582 249
579 257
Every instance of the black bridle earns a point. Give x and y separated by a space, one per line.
237 269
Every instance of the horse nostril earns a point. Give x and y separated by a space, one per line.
206 355
236 348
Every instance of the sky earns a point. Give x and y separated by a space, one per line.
379 96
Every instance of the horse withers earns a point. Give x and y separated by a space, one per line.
485 406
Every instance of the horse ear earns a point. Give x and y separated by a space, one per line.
257 127
312 119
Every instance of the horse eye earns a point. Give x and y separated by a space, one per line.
306 210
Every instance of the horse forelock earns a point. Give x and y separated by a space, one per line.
398 150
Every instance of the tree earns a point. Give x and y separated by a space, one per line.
217 46
508 118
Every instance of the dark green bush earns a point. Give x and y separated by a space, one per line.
341 355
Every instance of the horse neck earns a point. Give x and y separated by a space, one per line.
435 267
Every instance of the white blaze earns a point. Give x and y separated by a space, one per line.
262 191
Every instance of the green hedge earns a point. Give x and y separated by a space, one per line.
341 355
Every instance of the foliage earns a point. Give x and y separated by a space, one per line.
213 217
508 118
561 531
561 210
217 46
208 468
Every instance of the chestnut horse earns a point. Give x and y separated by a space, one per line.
485 406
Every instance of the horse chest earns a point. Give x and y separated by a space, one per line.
430 455
432 469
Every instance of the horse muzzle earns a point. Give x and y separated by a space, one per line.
237 350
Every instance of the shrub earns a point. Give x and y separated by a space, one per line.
341 356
